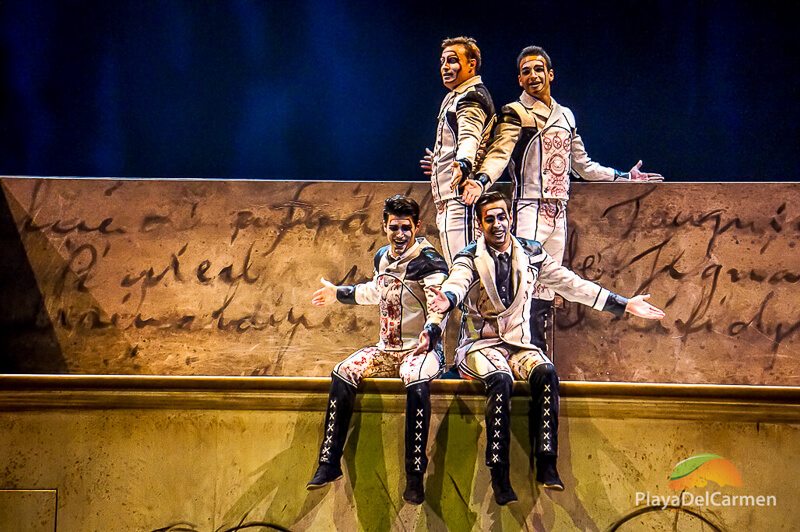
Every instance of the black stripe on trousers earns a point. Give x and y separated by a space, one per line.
468 225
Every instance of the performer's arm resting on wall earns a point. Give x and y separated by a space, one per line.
575 288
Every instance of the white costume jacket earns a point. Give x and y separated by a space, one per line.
464 126
402 288
489 322
541 147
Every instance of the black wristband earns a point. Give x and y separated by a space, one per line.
615 304
466 167
451 297
346 294
434 333
484 180
621 176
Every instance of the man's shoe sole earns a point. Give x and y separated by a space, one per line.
510 501
513 501
312 487
409 501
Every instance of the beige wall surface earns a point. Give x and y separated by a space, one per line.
213 459
214 277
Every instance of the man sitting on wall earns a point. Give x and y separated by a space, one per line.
495 278
407 271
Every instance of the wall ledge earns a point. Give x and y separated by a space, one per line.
579 399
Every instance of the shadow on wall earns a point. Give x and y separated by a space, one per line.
28 342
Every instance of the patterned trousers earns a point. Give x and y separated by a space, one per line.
373 362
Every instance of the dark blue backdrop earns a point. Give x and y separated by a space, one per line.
346 90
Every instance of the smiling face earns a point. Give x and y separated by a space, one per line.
534 77
401 232
454 66
496 225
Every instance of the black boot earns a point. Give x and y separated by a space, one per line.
325 474
501 485
545 398
418 417
341 401
415 488
541 323
547 473
498 435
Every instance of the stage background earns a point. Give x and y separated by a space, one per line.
349 90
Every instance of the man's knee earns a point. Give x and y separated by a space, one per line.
412 376
349 377
543 373
498 381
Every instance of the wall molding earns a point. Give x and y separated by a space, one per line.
579 399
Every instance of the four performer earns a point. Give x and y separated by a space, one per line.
504 283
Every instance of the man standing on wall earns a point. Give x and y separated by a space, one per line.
495 277
465 121
536 138
407 271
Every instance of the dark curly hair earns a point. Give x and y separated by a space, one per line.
400 205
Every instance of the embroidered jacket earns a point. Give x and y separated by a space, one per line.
541 147
401 287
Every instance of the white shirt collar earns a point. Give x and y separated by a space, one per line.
467 84
536 104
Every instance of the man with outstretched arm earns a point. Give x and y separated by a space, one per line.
407 271
494 278
464 124
537 140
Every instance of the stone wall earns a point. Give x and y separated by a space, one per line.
212 277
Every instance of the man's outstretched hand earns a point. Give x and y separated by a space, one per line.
439 304
638 175
426 163
325 295
458 176
638 306
472 191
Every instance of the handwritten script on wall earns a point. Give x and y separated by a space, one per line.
215 277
